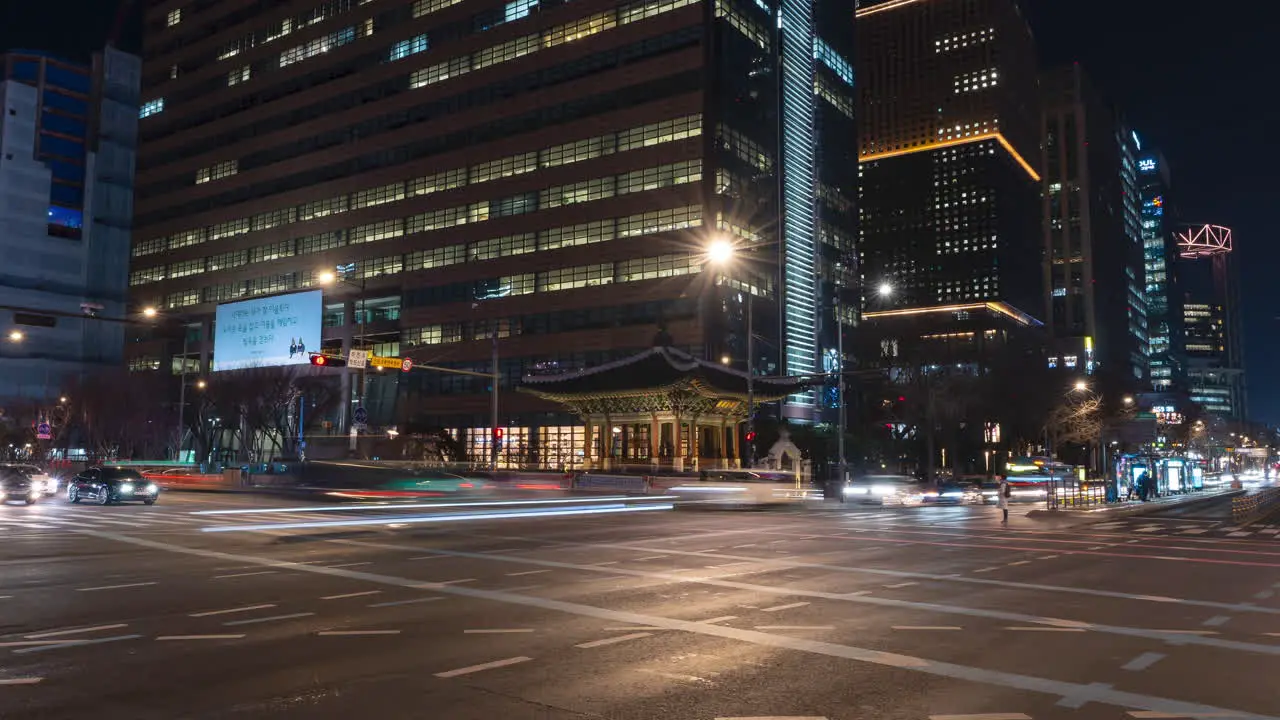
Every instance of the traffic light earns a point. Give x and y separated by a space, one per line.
497 437
321 360
751 436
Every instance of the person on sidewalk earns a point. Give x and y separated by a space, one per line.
1002 499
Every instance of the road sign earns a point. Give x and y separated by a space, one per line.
361 417
358 359
385 362
44 432
406 365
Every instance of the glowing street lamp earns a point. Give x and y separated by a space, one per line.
327 277
201 384
1081 386
1128 400
885 289
150 312
720 251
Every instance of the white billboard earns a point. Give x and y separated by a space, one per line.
278 330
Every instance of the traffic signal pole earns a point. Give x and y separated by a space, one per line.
493 405
751 385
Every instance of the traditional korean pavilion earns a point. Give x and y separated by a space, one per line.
661 407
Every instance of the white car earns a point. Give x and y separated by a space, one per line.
887 490
47 483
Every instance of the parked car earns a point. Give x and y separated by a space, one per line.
105 485
17 486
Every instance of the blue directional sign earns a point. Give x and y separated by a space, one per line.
44 431
361 416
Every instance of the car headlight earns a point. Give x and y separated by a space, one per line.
883 490
851 490
152 489
126 487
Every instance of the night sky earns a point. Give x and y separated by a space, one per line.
1195 85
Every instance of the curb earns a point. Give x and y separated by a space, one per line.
1103 514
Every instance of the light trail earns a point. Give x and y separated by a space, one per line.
443 517
411 506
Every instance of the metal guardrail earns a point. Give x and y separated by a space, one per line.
1254 507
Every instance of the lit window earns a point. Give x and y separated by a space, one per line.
239 75
216 172
405 48
174 17
517 9
151 107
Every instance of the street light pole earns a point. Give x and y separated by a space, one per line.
840 390
751 384
493 403
182 398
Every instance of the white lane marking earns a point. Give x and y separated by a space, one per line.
613 640
76 643
737 547
247 608
788 606
406 602
523 588
456 582
1187 632
1217 621
651 557
926 627
497 631
73 631
344 633
1048 557
677 676
1048 687
901 585
1156 714
527 572
484 666
354 564
795 627
1143 661
20 681
351 595
1020 562
245 574
987 570
1264 595
625 628
610 562
114 587
427 557
722 618
776 717
982 716
272 618
1239 534
1196 531
31 643
201 637
1044 629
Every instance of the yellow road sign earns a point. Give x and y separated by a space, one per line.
385 362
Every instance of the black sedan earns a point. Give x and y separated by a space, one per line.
105 485
18 486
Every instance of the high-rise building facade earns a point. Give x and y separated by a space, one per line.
545 173
67 153
1164 316
1209 283
949 146
1095 305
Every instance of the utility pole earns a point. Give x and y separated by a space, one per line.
182 397
751 385
840 390
493 403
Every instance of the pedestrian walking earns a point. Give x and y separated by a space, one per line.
1002 499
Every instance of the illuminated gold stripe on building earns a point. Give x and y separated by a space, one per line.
894 5
997 307
940 144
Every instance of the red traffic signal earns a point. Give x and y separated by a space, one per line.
320 360
497 433
751 436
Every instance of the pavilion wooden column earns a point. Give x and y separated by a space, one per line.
724 444
655 439
589 446
677 444
695 444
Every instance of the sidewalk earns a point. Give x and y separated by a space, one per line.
1130 508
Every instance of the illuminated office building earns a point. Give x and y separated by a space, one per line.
1095 306
67 137
1209 281
949 142
1164 317
542 171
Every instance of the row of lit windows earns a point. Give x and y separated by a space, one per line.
151 107
823 88
747 150
557 35
288 25
753 30
641 224
962 40
641 136
569 278
827 55
324 44
217 171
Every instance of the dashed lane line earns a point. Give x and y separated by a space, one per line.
896 586
788 606
613 640
114 587
795 627
272 618
527 572
414 601
348 633
231 611
722 618
1036 628
1143 661
484 666
75 643
1051 688
229 636
350 564
245 574
343 596
497 631
21 681
926 627
73 631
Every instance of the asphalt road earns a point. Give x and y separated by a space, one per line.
839 612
